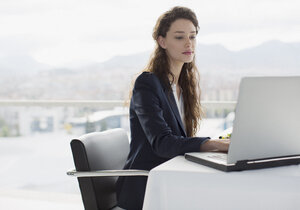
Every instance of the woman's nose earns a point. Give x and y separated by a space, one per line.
188 42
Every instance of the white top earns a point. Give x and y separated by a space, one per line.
179 102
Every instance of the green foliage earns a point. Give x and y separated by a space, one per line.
4 129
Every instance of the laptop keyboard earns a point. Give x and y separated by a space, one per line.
221 156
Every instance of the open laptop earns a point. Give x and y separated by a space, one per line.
266 129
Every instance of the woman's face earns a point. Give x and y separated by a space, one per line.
180 41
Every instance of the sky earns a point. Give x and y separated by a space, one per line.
72 33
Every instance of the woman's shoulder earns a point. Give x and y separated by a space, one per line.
147 77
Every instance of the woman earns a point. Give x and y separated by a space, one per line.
165 107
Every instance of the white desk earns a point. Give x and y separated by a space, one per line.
181 184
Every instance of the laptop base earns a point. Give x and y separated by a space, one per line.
247 164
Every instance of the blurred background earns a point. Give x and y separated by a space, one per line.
66 68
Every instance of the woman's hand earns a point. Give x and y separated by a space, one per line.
220 145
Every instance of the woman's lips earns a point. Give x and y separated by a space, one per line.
188 53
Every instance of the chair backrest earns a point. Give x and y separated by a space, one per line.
105 150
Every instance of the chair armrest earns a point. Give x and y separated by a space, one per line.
128 172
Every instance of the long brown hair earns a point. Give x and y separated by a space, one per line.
189 77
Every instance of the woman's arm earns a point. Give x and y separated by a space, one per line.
147 106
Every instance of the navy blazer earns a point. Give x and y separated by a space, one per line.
157 135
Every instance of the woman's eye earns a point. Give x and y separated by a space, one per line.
180 37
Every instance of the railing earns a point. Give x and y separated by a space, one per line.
100 103
65 103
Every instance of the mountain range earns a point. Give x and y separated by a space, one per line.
220 68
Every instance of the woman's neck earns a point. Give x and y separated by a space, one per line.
175 68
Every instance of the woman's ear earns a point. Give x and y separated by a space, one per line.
162 42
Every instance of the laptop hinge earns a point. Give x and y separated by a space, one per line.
268 162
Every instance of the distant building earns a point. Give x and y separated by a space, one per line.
99 121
